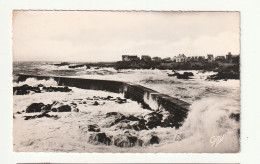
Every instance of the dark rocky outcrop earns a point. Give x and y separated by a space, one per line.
116 116
93 128
123 124
60 108
127 140
35 107
224 76
64 108
95 103
185 75
25 89
44 114
169 121
62 64
120 101
139 125
54 107
97 138
231 72
56 89
130 122
153 119
76 66
40 85
154 140
235 116
188 74
87 67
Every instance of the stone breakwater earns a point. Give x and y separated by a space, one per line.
176 109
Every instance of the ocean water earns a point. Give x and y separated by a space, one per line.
208 127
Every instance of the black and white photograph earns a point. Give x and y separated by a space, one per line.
126 81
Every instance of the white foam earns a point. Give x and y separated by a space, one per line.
35 82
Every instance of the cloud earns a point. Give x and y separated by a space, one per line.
105 36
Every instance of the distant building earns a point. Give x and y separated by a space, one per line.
157 59
220 58
181 58
190 59
167 59
232 58
210 57
201 58
130 58
146 58
174 59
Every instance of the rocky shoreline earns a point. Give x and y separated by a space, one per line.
126 127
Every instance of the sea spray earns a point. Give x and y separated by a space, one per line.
35 82
209 118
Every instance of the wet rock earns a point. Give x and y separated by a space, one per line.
76 66
120 101
235 116
40 85
114 117
56 89
60 107
153 119
127 140
154 140
87 66
64 108
139 125
185 75
132 118
44 114
109 97
62 64
77 99
25 89
188 74
93 128
169 121
172 120
35 107
96 103
123 124
131 125
73 104
54 110
114 114
97 138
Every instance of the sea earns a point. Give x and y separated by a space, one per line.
208 127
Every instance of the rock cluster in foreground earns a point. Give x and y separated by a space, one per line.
129 126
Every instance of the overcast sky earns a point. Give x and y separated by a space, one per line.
105 36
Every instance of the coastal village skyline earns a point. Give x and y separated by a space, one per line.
152 58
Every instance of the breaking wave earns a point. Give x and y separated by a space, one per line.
35 82
209 119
